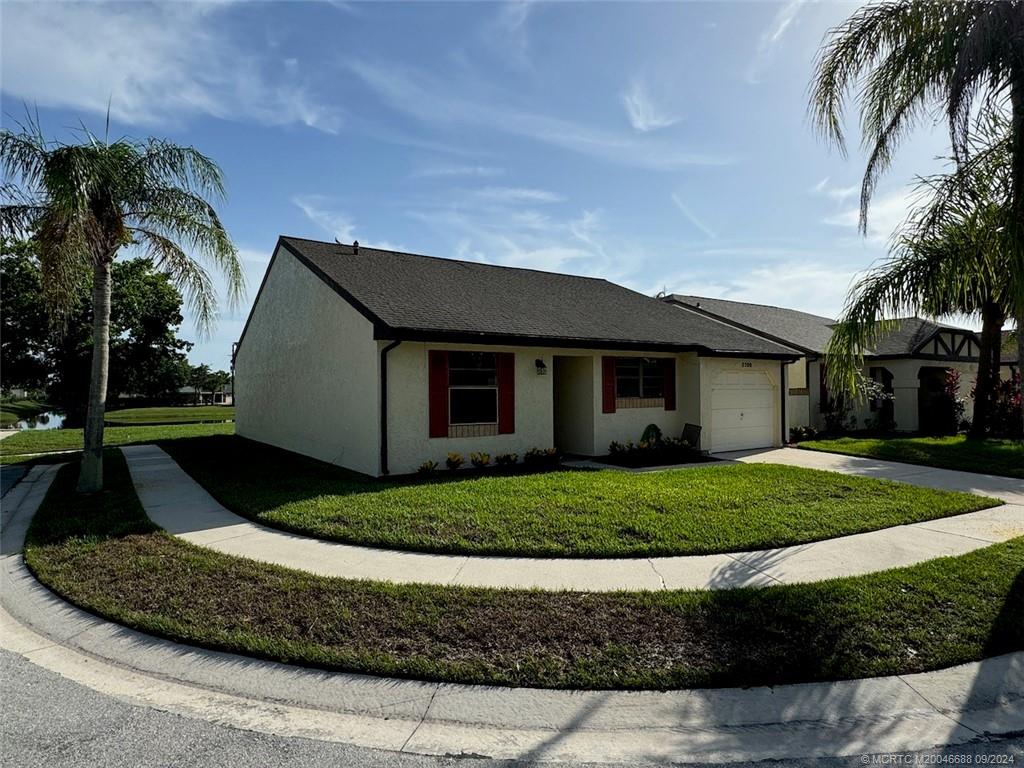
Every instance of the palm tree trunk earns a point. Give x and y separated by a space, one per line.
1017 211
992 319
90 478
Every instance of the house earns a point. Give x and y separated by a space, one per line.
1009 359
391 359
910 362
218 396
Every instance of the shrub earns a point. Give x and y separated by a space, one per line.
454 461
1005 418
542 458
428 467
798 434
479 460
949 406
652 450
651 435
506 459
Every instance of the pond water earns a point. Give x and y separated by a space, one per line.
44 420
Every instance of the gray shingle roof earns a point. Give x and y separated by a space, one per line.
911 333
407 294
808 332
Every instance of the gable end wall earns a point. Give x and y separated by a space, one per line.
306 375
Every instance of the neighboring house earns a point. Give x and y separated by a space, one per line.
910 362
223 396
379 361
1008 359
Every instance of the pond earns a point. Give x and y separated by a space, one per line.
44 420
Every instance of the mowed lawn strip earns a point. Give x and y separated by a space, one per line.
608 513
46 440
990 456
103 554
183 414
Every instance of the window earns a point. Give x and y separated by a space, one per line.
640 382
639 378
472 388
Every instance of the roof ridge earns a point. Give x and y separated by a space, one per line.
752 304
454 261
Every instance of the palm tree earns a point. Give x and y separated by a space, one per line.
951 256
83 203
906 57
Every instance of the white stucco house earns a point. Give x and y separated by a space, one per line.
911 362
378 361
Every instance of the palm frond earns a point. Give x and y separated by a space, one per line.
185 272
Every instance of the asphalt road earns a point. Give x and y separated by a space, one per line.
48 721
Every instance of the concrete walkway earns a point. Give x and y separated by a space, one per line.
892 714
177 503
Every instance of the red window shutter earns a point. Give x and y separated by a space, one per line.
506 392
437 378
668 378
607 385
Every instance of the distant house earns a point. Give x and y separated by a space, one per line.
910 363
220 396
392 359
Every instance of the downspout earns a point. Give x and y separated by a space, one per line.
784 435
384 406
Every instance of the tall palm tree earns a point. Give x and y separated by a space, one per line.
904 58
86 202
950 257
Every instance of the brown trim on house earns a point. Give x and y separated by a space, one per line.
799 391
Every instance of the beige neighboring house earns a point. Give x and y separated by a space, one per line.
379 361
910 363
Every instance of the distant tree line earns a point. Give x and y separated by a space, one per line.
147 360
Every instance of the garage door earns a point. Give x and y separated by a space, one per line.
743 410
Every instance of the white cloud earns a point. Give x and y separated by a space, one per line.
839 194
644 114
518 195
704 229
771 37
508 33
886 214
318 209
805 285
480 171
432 101
153 64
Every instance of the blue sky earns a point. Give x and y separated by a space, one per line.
662 146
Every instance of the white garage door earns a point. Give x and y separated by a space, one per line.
743 410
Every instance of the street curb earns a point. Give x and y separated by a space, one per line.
893 714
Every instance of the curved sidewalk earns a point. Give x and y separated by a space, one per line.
181 506
892 714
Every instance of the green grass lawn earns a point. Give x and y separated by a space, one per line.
182 414
16 410
992 457
103 554
609 513
14 448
